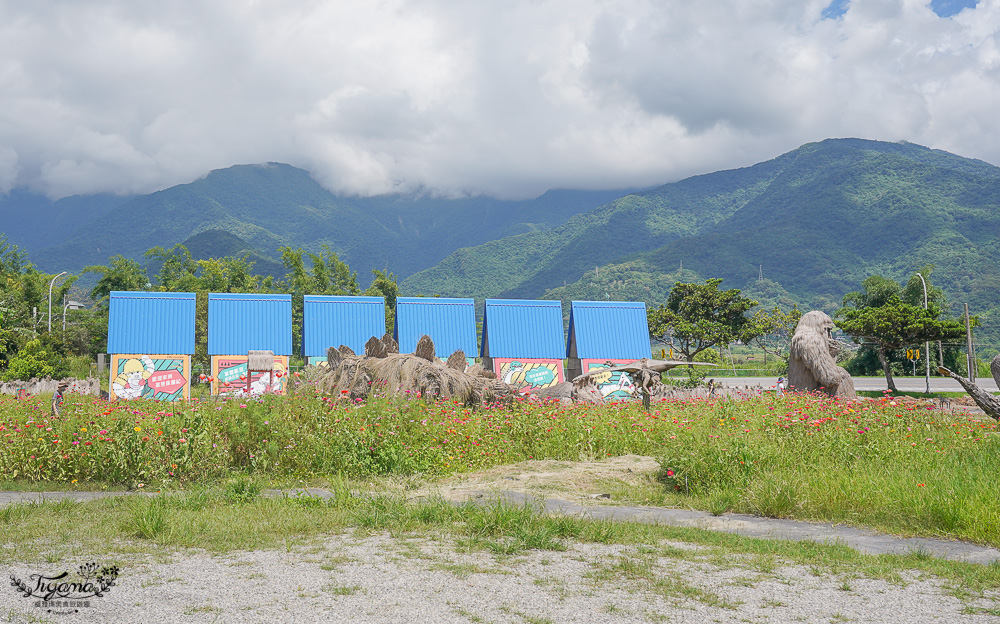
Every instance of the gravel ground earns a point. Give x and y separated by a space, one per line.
396 579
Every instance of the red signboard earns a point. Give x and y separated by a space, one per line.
168 381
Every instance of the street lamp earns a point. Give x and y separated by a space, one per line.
50 297
927 345
70 305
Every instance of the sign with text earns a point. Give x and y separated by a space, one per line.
528 373
613 385
162 377
231 378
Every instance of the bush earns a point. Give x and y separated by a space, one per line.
34 360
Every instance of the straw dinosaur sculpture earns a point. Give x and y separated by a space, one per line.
989 403
383 368
645 373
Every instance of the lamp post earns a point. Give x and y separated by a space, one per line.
927 345
70 305
50 296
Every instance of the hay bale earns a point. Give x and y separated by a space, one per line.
457 361
425 348
391 346
260 360
333 358
375 348
477 370
812 364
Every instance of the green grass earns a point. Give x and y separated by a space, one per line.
877 394
875 463
209 519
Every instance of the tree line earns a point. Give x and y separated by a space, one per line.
884 318
28 348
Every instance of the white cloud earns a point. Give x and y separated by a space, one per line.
8 169
506 97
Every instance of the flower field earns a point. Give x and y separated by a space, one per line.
876 462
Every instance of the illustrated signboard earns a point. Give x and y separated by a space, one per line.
528 373
150 376
229 376
613 385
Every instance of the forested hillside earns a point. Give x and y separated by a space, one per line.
815 221
259 208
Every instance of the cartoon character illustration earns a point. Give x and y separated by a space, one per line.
614 384
515 368
267 382
130 383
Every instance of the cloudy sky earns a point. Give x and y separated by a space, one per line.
504 97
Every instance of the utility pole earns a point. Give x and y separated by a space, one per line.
968 344
927 344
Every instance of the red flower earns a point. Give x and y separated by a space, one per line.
670 473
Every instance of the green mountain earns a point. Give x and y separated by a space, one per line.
35 222
529 264
220 243
272 205
815 222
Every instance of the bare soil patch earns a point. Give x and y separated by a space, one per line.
580 481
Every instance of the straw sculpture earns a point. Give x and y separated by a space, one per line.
812 364
989 403
384 369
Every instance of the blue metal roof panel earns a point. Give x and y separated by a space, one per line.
609 329
451 324
523 328
239 322
151 322
331 321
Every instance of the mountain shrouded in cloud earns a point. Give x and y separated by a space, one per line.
502 98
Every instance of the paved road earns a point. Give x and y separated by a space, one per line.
903 384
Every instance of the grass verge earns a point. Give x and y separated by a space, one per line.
228 518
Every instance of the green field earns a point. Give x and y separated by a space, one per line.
874 463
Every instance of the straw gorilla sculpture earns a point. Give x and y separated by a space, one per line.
812 363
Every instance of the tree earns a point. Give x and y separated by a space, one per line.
177 270
700 316
384 285
23 291
776 330
121 274
880 315
34 360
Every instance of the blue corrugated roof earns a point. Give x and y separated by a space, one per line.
608 329
451 324
523 328
238 323
151 322
331 321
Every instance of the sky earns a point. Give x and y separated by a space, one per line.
507 98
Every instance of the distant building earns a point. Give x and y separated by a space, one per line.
151 341
523 342
331 321
450 323
239 323
603 334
